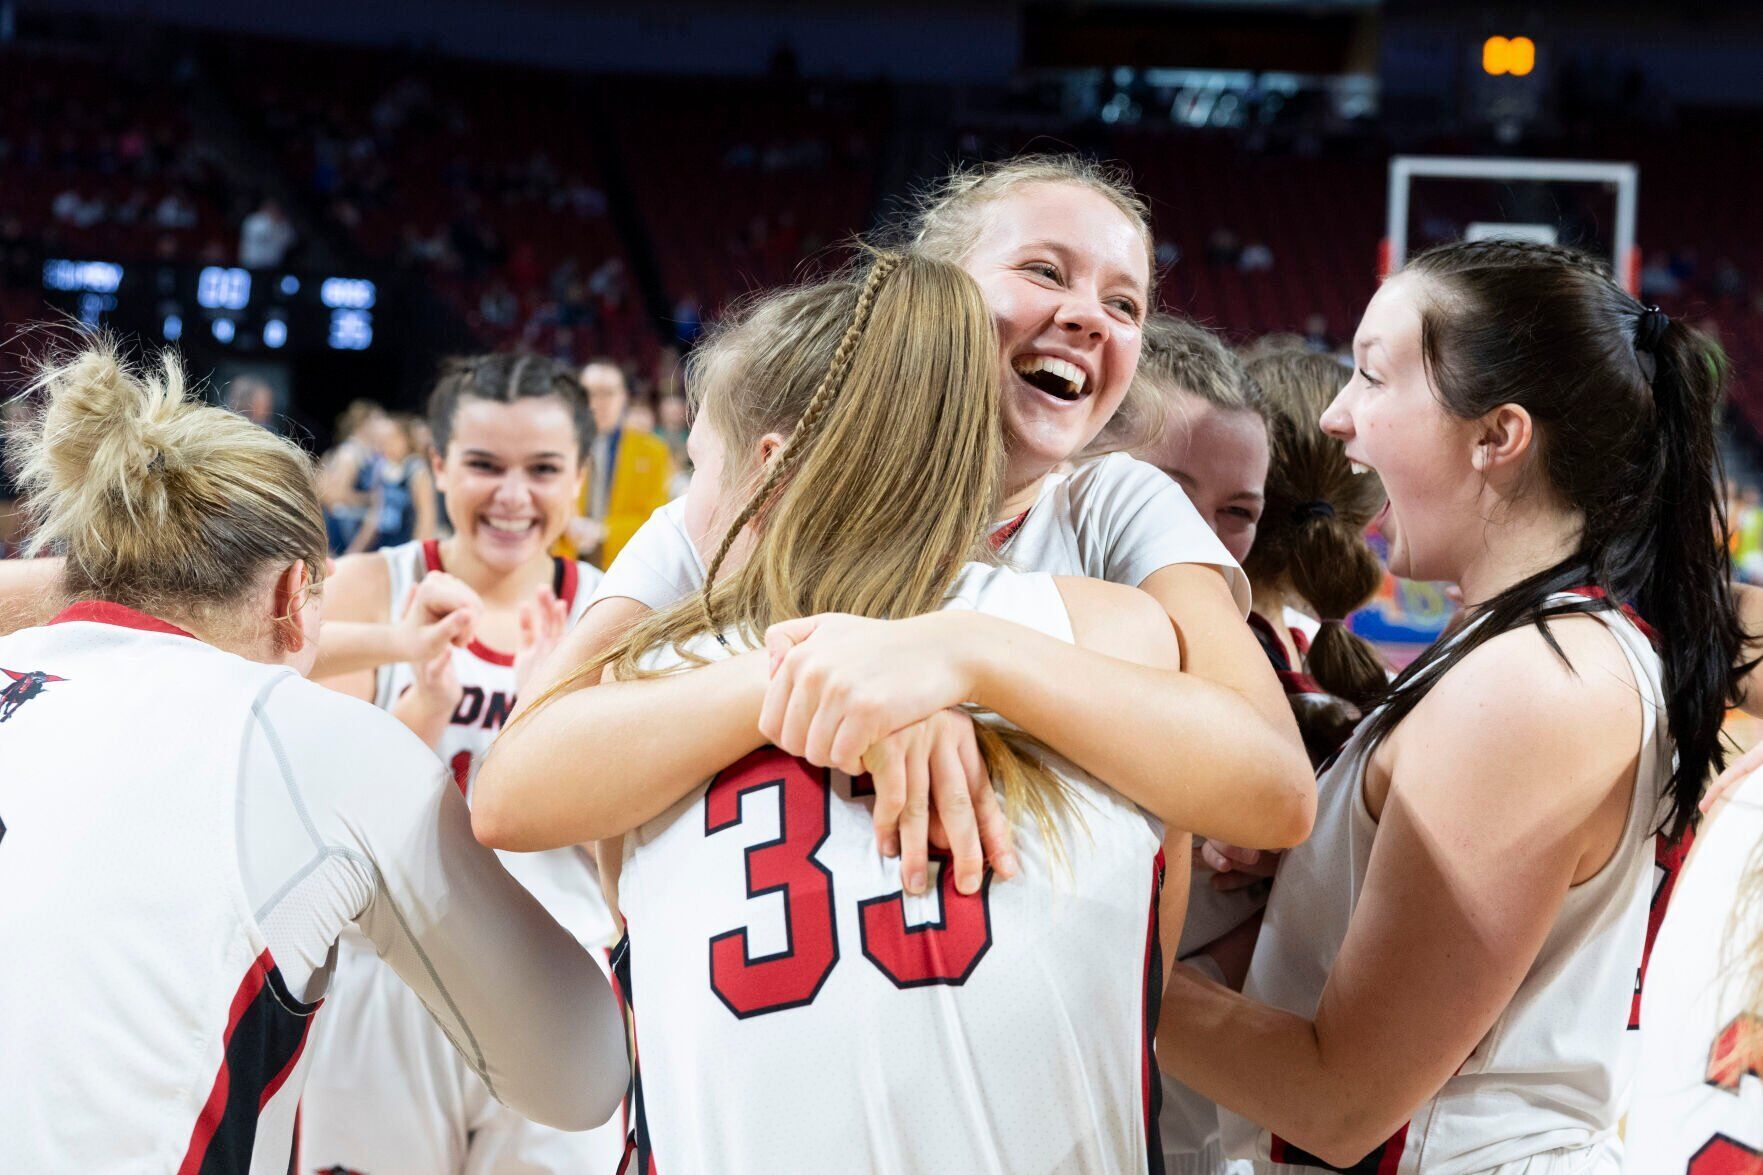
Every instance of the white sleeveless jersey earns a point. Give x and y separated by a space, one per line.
565 881
1115 518
1695 1111
184 834
1556 1069
794 1011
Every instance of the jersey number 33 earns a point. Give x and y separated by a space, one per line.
941 952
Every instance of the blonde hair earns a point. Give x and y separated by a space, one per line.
1744 962
948 218
160 502
887 386
1178 355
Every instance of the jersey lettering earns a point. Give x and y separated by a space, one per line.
942 952
1722 1155
792 977
1737 1053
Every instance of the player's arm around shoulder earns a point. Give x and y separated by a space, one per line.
1507 785
527 1006
358 591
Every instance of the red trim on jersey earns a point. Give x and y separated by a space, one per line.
1597 593
1668 859
215 1107
105 612
265 1034
1001 537
565 579
569 577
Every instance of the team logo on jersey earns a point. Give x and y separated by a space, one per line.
18 688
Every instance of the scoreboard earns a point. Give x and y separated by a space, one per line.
216 306
318 339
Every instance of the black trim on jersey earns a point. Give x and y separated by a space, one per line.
1381 1161
559 575
1153 1008
264 1044
783 889
637 1140
898 897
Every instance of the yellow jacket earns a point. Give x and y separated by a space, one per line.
641 471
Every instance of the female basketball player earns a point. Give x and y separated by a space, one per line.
187 826
511 432
1447 968
1309 561
1214 439
804 1046
1061 251
1698 1107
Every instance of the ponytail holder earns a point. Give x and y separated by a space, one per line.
1325 621
1315 508
1650 329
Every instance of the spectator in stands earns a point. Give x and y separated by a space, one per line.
1316 336
674 423
252 398
1256 257
402 496
628 472
265 237
346 476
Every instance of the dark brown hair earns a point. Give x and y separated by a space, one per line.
504 377
1313 526
1625 431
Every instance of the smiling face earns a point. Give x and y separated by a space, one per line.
1390 419
1219 456
510 477
1065 274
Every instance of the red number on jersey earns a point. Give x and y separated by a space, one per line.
786 865
462 771
1721 1155
945 951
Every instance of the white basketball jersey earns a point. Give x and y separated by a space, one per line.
794 1011
1556 1069
1114 518
169 812
1696 1111
565 881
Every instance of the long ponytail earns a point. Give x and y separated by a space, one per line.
1624 401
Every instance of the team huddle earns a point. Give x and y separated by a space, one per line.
972 771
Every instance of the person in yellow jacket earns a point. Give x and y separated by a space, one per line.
628 473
